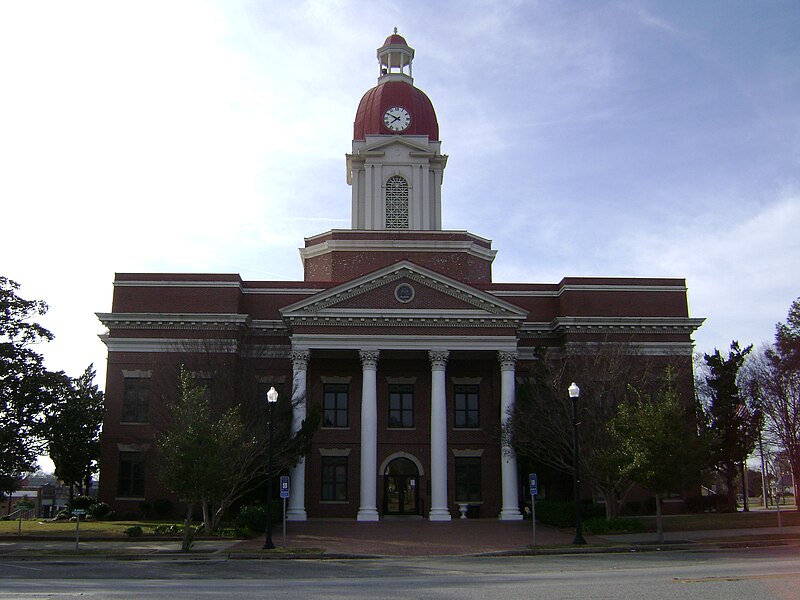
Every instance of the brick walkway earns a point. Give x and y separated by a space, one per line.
412 538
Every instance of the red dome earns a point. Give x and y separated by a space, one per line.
395 39
369 117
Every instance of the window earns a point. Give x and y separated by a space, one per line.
334 409
468 479
401 405
131 475
467 412
334 478
396 203
135 400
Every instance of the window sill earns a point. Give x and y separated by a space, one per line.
467 428
401 429
341 502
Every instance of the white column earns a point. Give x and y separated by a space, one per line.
439 510
296 511
368 508
508 466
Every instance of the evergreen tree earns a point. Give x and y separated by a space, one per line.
732 421
72 431
26 387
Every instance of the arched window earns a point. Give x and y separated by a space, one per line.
396 203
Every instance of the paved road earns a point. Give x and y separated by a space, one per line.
744 573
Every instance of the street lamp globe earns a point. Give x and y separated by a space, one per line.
272 395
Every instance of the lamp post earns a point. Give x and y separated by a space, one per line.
574 394
272 398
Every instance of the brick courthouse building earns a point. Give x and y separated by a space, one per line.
397 330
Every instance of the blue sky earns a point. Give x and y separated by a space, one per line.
619 138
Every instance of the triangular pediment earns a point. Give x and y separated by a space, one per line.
379 144
402 293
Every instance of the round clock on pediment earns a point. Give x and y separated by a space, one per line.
397 119
404 293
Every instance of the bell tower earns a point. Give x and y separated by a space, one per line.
395 171
396 166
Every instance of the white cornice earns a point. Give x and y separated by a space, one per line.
401 233
626 324
604 287
466 247
631 325
167 283
282 291
399 342
173 320
444 321
268 325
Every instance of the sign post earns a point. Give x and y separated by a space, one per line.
284 495
534 486
78 512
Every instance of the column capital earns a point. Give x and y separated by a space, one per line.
369 358
438 358
300 358
507 359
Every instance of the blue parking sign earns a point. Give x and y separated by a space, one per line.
534 483
284 486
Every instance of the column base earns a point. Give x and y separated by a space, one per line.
439 514
368 514
510 514
296 514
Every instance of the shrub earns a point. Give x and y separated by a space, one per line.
82 502
599 526
133 531
167 529
100 510
252 518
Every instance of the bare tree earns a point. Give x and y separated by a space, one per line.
234 379
777 386
540 426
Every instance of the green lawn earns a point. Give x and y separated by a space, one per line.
66 529
116 529
737 520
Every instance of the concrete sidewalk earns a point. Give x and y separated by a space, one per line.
347 538
412 537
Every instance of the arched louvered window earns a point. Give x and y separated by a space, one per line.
396 203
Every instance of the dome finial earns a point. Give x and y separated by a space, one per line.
395 30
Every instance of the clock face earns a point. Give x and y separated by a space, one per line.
397 119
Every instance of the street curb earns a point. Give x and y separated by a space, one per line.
222 555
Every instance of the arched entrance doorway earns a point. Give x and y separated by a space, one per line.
401 488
